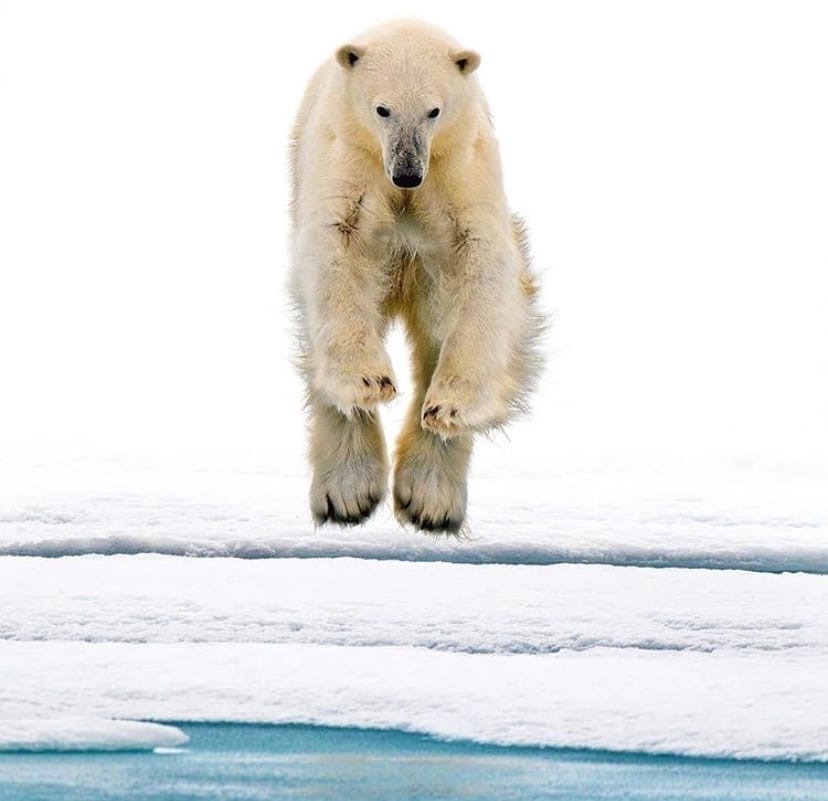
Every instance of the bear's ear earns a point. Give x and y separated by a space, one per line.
467 61
348 55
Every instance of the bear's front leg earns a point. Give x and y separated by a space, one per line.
341 295
486 311
351 371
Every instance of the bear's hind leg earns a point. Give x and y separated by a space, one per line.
429 472
350 466
430 480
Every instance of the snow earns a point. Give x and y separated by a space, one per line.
581 611
708 663
727 703
749 514
86 734
477 609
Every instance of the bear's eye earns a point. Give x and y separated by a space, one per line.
435 112
383 111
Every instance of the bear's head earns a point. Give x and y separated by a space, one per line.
405 84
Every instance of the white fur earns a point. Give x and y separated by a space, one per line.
447 257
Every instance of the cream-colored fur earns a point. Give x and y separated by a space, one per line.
447 257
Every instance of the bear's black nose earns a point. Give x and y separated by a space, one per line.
407 179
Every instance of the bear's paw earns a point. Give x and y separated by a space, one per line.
361 386
430 496
457 407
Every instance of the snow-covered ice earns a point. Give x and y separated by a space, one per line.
86 734
751 514
765 705
714 663
581 611
475 609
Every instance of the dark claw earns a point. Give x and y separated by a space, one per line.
347 520
401 504
385 382
454 412
431 411
452 526
368 507
366 381
446 525
332 515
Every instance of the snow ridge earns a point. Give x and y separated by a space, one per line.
725 519
808 555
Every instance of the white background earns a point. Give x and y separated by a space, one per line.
670 159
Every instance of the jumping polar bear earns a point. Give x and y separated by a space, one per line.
398 209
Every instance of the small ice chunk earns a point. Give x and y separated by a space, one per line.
86 734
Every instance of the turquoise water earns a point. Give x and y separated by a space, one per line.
246 762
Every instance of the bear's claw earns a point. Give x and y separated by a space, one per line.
438 524
454 407
333 514
445 421
361 391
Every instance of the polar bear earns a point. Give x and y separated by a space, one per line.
398 210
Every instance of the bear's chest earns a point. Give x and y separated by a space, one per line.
407 229
411 233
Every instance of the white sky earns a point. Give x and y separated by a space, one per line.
670 158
